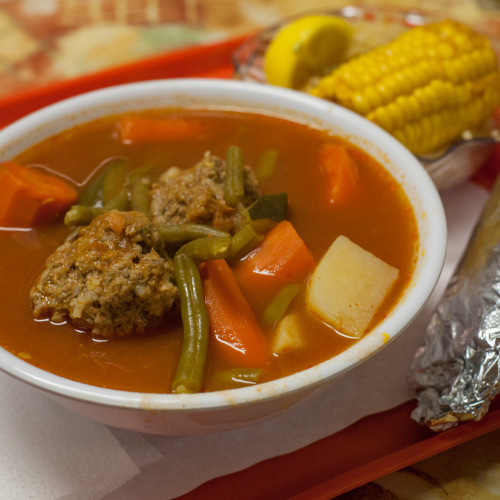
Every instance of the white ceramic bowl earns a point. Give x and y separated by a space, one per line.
181 414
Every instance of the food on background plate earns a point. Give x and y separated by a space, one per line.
303 49
427 87
183 265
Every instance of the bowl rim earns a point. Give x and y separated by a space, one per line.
428 274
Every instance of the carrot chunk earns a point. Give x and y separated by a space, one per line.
29 197
281 259
135 129
341 173
235 333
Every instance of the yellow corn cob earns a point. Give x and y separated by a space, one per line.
426 87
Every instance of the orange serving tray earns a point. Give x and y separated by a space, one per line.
370 448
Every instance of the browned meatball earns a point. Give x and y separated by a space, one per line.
113 279
196 196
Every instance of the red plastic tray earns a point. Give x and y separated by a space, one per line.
212 60
369 449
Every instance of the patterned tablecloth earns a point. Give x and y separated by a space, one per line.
50 40
41 42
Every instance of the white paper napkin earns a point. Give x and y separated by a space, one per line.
48 453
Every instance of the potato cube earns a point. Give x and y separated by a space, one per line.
287 336
348 286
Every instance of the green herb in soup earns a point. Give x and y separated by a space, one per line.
196 250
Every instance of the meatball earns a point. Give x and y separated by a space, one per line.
196 196
115 278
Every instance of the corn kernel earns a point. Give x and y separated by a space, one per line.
396 114
360 104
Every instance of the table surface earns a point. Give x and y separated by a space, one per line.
53 40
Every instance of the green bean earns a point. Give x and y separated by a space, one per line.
234 189
139 195
114 179
180 233
267 164
263 225
243 241
189 375
237 377
81 215
78 215
109 181
119 202
137 174
191 368
90 195
271 206
278 306
208 248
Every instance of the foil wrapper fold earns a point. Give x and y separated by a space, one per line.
456 371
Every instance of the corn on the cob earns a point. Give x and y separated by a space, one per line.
426 87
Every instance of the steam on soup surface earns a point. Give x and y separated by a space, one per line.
99 300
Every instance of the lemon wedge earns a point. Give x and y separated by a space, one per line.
306 47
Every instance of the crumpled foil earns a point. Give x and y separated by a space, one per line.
456 372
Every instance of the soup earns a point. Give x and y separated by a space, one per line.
285 162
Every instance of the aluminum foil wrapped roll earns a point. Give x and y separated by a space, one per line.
456 372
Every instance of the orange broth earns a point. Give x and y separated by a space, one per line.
381 221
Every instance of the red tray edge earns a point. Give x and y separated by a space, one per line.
205 60
403 458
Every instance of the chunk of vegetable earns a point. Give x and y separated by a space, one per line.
341 173
243 241
139 195
417 110
278 306
135 129
207 248
191 368
281 259
114 179
234 330
195 317
180 233
287 336
30 197
80 215
348 286
237 377
234 182
271 206
92 192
